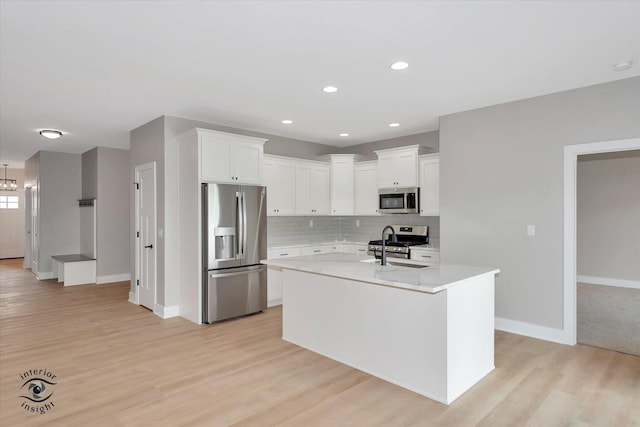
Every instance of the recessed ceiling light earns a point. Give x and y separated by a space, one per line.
622 65
394 125
330 89
399 65
50 133
344 134
287 122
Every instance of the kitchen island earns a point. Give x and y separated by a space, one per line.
429 330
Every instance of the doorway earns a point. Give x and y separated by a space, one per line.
145 228
571 153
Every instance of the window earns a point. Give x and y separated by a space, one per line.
9 202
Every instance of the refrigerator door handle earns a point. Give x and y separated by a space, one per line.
244 224
240 225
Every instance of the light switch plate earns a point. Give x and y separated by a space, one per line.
531 230
310 223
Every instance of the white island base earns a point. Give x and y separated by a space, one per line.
435 344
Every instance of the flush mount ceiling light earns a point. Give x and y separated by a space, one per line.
399 65
50 133
622 65
330 89
7 184
287 121
344 134
394 125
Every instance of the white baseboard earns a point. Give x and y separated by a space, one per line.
620 283
132 298
530 330
45 276
167 312
126 277
274 302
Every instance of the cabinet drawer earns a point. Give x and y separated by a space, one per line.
426 256
283 253
314 250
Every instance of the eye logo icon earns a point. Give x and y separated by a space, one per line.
37 389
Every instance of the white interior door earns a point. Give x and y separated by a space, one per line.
35 190
27 228
146 234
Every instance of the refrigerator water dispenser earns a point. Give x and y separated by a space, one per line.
225 242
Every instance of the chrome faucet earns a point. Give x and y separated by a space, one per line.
383 257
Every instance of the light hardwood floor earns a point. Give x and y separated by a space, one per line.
119 364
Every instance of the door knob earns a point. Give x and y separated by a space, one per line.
149 246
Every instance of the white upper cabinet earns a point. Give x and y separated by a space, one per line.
430 185
366 188
280 179
313 183
230 158
342 183
398 167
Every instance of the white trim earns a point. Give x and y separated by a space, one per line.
45 276
571 153
167 312
530 330
604 281
125 277
274 302
133 298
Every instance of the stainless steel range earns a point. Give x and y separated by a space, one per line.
406 236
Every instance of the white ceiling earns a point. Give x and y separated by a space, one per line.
98 69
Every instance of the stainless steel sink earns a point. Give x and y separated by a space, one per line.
403 264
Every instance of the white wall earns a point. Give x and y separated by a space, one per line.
12 220
608 215
502 169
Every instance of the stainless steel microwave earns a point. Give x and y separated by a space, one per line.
399 200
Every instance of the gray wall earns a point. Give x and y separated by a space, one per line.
113 210
608 215
59 215
431 140
502 168
90 174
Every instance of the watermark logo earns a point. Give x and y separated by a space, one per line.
37 390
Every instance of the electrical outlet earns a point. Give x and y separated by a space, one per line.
310 223
357 223
531 230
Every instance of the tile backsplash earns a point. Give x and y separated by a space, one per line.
295 230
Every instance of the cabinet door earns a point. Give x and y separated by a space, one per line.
303 195
430 187
280 181
405 167
386 171
366 190
342 187
215 159
247 163
361 249
320 190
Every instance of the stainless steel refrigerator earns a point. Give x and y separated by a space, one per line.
235 240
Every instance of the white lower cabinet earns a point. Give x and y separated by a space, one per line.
426 255
315 250
349 248
274 275
361 249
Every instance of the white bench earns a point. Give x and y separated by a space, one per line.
76 269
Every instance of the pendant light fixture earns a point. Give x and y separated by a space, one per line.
7 184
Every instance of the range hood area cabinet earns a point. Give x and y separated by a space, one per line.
398 167
207 156
430 185
227 158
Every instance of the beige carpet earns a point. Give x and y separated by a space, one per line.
609 317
